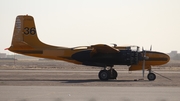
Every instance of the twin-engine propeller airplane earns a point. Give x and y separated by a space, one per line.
25 41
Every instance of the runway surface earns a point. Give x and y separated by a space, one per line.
58 85
84 78
66 93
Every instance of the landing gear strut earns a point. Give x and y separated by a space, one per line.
104 75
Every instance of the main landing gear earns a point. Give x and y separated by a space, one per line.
105 75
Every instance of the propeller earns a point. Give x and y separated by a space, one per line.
144 61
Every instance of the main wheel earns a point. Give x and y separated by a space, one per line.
104 75
151 76
113 74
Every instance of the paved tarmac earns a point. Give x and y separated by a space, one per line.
58 85
84 78
67 93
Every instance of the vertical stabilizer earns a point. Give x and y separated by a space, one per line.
25 35
29 32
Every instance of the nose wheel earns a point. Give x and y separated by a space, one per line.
151 76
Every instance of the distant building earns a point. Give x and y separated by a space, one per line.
2 55
174 55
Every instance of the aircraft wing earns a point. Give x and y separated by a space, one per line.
102 48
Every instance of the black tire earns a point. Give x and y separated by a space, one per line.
113 74
151 76
104 75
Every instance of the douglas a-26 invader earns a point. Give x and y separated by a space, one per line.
25 41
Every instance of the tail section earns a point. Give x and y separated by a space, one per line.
25 35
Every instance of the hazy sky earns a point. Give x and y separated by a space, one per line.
73 23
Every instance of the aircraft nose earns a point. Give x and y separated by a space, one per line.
157 58
166 57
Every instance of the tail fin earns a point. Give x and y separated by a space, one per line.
25 35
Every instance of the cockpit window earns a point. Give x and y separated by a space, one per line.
135 48
80 47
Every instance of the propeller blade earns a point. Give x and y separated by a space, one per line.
151 48
143 69
144 62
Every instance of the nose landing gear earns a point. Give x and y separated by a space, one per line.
151 76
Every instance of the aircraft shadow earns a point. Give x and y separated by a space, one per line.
97 80
74 80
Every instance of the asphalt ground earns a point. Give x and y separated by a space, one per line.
42 81
76 93
85 78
